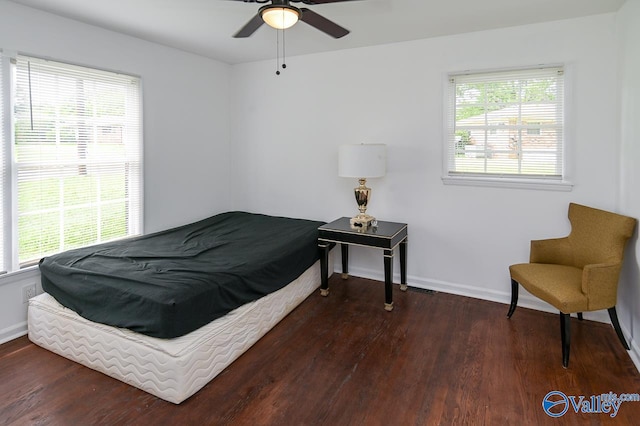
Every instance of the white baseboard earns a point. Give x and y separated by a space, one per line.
13 332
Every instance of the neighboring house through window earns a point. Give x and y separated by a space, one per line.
506 127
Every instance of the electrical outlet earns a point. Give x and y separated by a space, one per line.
28 291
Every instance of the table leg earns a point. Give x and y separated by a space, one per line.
388 280
324 268
403 265
344 249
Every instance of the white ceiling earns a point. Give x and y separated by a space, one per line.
205 27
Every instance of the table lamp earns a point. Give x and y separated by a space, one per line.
361 162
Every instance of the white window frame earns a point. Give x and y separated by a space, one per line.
509 181
9 199
6 129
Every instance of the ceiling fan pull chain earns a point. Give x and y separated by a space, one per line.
277 52
284 53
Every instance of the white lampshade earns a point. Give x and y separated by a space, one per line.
280 18
362 161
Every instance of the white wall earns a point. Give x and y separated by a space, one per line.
186 122
629 294
287 130
275 149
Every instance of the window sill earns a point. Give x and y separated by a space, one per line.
539 184
14 276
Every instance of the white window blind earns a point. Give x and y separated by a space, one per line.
78 157
507 124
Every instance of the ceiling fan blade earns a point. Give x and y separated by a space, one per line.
322 23
250 27
312 2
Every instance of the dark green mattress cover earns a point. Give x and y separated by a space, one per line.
172 282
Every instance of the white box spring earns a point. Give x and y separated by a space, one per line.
171 369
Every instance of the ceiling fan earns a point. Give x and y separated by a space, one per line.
280 14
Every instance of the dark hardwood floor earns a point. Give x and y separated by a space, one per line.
437 359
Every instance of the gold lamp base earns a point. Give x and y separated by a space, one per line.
362 194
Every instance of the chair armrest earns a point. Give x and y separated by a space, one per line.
600 285
554 250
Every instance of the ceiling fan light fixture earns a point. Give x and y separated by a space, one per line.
280 17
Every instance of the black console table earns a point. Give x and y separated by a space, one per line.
385 236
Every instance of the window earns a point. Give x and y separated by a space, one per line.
76 170
506 126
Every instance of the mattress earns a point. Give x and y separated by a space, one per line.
172 282
171 369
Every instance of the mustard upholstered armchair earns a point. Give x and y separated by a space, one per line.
577 273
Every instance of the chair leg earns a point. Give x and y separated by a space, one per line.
565 332
616 325
580 316
514 297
